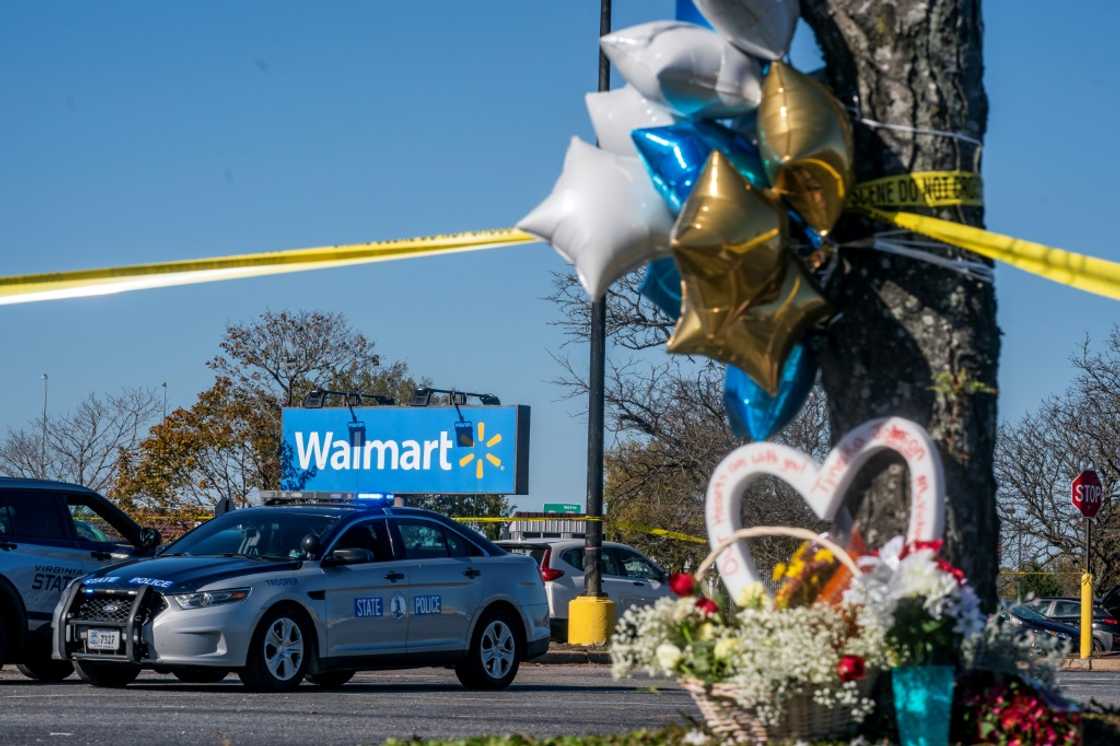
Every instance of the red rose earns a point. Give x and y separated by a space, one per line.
707 605
918 546
682 583
851 668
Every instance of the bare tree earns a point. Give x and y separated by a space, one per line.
83 446
669 430
914 340
1037 457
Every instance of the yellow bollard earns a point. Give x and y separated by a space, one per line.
590 620
1086 615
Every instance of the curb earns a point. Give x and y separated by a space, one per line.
1091 664
572 654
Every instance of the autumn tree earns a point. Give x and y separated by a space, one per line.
83 446
227 444
1038 455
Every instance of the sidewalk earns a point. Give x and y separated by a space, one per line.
1105 663
559 652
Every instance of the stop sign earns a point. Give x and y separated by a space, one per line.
1087 493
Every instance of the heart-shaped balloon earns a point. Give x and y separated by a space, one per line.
662 285
675 155
822 488
602 216
756 415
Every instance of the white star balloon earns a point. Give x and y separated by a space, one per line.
615 114
763 28
603 216
690 69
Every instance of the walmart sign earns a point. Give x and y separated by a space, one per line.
407 450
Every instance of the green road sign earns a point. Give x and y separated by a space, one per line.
575 508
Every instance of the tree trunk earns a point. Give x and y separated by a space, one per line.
914 340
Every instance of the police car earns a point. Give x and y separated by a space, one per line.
309 588
51 533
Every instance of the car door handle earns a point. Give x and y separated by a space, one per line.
8 546
470 572
101 555
639 583
393 577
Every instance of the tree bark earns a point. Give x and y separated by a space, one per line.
914 340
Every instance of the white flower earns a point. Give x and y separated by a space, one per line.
695 738
668 655
727 647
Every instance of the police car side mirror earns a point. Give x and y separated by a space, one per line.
347 557
150 538
310 546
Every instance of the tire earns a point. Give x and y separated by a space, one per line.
1098 647
495 653
199 675
45 670
330 679
113 675
279 652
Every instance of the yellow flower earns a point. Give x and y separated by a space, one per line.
752 596
822 555
796 567
707 631
779 570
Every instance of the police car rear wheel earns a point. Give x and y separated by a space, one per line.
330 679
278 654
114 675
47 670
494 656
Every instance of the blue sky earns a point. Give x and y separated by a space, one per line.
134 132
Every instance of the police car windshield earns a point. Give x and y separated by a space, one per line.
257 534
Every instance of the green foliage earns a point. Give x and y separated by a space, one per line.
921 639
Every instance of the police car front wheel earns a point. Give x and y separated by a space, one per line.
278 654
46 670
495 654
114 675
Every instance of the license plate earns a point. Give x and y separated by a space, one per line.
103 639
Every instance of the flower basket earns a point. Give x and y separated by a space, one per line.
802 717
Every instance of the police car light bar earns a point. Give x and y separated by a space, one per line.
286 497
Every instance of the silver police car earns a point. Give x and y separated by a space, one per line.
319 590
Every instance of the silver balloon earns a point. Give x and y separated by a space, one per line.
763 28
603 216
689 69
615 114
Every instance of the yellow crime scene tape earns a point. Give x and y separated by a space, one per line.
108 280
1079 271
920 189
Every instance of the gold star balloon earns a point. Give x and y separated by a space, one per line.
745 298
806 143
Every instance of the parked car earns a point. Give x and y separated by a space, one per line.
629 577
51 533
1029 618
1068 611
306 587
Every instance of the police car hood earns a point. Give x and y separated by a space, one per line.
181 574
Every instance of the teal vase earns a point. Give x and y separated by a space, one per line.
923 704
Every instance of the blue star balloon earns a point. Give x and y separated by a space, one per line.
756 415
675 155
686 11
662 285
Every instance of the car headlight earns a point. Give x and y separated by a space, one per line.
203 599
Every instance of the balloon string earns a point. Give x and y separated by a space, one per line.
919 130
919 250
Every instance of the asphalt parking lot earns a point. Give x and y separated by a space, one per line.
545 699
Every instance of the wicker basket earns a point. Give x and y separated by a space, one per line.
802 718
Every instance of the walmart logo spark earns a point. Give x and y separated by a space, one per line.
481 459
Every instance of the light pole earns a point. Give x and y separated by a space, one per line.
591 615
164 385
43 439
